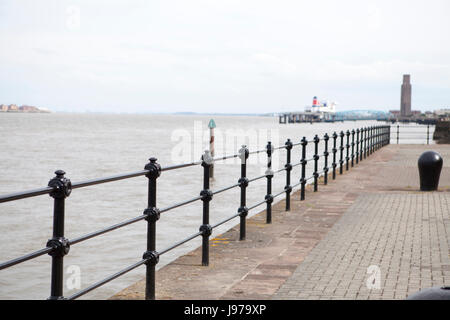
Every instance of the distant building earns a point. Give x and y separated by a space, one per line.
3 108
26 108
405 99
13 107
395 113
442 112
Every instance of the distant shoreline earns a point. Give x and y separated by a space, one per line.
13 108
21 111
148 113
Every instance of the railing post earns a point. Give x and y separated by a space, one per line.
206 195
243 183
357 145
373 133
353 146
316 159
62 188
378 138
362 144
365 142
347 146
288 167
152 215
370 140
382 136
375 138
269 176
428 134
341 161
334 154
388 135
375 147
325 154
386 142
382 132
304 142
398 132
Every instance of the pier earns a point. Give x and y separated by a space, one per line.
357 205
373 214
298 117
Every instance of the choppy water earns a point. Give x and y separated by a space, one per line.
86 146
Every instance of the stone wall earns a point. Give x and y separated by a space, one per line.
442 132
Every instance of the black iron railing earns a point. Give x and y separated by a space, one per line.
363 142
412 133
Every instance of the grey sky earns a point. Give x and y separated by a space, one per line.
223 56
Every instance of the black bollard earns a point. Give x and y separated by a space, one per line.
433 293
430 165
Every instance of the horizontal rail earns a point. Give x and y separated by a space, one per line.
92 182
257 151
105 230
296 185
179 166
412 138
24 258
225 220
420 126
423 132
296 164
180 243
106 280
225 157
180 204
257 205
257 178
25 194
279 170
226 188
279 193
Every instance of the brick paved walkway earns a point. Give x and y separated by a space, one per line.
405 236
372 215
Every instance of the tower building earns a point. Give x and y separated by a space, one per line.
405 100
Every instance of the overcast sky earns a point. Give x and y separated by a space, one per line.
223 55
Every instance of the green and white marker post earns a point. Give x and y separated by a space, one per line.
211 126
